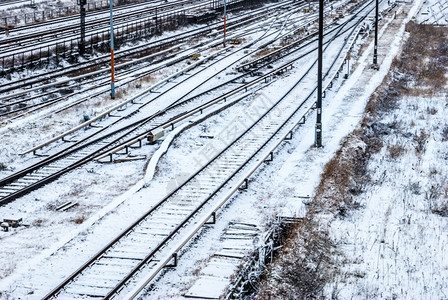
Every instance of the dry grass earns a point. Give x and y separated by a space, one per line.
395 151
425 59
120 94
264 52
8 268
78 219
445 134
420 141
143 80
302 267
39 222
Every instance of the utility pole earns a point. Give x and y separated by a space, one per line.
82 11
375 52
318 137
112 64
225 21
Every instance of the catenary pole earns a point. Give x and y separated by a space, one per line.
318 136
225 21
375 51
82 39
112 66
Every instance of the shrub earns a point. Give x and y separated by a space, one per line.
395 151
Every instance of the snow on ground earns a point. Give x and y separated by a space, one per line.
396 245
27 246
294 173
433 12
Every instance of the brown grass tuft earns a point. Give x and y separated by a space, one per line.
395 151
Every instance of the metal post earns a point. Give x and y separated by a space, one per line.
318 137
225 21
375 53
112 67
347 59
82 11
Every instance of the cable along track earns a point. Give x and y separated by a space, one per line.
145 247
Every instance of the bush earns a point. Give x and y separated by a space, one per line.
395 151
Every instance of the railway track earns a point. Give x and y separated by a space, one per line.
173 53
95 144
26 180
9 2
62 41
48 16
79 153
154 240
41 33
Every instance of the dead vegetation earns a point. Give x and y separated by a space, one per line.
303 266
7 269
78 219
395 151
424 60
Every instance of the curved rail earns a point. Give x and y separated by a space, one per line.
79 146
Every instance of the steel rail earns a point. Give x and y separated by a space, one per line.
57 32
58 174
125 54
103 33
132 99
40 105
60 154
131 228
71 17
190 113
168 257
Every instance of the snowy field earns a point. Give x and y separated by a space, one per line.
388 238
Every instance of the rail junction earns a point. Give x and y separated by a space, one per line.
209 79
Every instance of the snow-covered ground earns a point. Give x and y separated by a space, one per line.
433 12
93 187
391 243
275 189
396 245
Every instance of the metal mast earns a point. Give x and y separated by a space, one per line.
82 11
318 137
112 63
225 21
375 52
